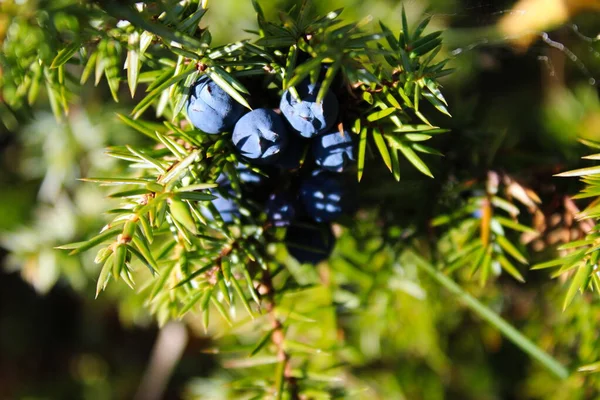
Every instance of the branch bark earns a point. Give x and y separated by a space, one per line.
278 337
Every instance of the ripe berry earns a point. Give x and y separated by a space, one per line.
305 115
292 155
309 243
210 108
323 196
260 135
333 151
245 174
280 209
225 206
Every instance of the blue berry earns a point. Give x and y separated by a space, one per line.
260 135
211 109
305 115
245 174
323 196
334 151
280 209
309 243
226 207
291 157
248 176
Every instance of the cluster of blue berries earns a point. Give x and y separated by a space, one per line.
305 200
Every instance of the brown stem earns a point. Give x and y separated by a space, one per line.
278 335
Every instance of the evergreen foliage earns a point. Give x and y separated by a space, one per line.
220 213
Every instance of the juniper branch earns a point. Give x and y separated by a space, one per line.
278 337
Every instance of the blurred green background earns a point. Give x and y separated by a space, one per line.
518 110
